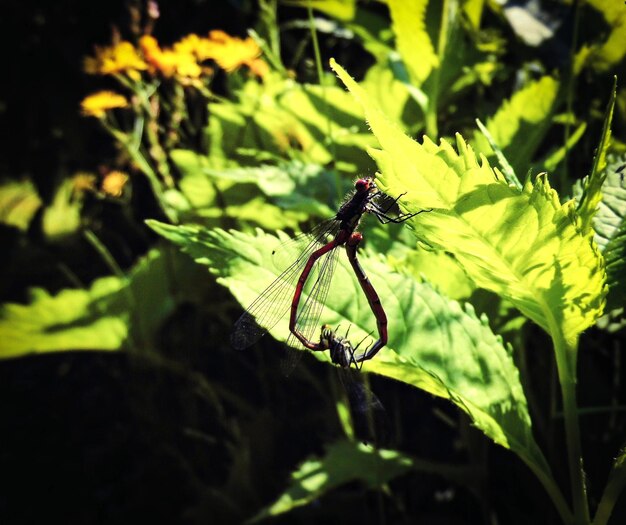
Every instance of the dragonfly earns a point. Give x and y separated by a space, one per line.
316 265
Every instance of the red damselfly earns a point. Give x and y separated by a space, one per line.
316 264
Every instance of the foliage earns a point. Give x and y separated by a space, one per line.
228 146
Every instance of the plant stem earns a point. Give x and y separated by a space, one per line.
432 129
566 366
612 491
552 489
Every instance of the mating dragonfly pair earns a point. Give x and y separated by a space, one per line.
317 262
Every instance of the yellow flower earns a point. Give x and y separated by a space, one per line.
228 52
119 58
99 103
84 182
114 182
179 61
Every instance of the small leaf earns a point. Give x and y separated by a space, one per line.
344 461
613 49
520 124
62 217
19 202
341 9
69 320
408 19
112 314
592 191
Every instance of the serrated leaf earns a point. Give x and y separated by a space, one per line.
313 124
344 461
408 20
524 246
613 49
615 255
112 314
520 124
592 191
434 342
19 202
69 320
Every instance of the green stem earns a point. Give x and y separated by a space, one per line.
432 129
110 261
570 93
320 74
137 157
612 491
566 366
553 491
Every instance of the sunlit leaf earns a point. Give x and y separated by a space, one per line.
19 202
613 49
473 9
524 245
520 124
69 320
340 9
439 269
592 190
62 216
434 343
112 314
313 124
343 462
408 19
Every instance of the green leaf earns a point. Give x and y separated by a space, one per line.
112 314
391 95
615 255
592 191
19 202
520 124
69 320
340 9
62 217
343 462
434 342
437 268
313 124
473 10
408 20
522 245
612 51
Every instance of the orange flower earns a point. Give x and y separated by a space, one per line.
119 58
99 103
114 182
179 61
228 52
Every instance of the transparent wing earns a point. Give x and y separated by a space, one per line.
310 311
274 302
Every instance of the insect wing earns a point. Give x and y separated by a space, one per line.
309 313
274 302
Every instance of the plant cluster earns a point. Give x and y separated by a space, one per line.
505 121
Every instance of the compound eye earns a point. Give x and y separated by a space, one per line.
362 184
